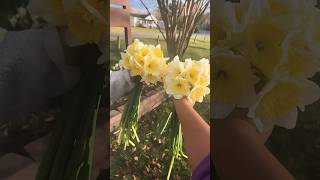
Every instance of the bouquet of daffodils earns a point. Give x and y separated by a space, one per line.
190 78
148 65
265 53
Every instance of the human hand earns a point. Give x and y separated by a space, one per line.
238 147
238 120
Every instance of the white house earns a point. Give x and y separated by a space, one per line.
143 20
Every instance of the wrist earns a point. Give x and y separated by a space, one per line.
182 104
183 100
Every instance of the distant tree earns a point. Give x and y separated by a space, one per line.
156 13
180 20
205 22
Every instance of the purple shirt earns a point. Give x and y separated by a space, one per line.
202 171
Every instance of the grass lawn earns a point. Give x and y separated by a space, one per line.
151 159
152 33
135 30
197 49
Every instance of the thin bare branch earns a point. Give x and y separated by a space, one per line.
181 19
158 26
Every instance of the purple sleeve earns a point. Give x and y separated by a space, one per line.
202 171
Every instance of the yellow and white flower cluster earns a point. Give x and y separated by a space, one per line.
265 52
180 79
146 61
85 20
188 79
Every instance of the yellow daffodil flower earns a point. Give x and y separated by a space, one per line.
134 47
300 60
85 25
204 80
146 61
299 65
261 45
225 23
279 101
126 60
233 79
157 51
178 87
278 7
154 65
150 79
197 94
192 71
175 68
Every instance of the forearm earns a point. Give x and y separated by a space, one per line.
196 132
238 148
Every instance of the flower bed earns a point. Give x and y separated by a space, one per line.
151 158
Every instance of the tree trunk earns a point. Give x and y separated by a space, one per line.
180 19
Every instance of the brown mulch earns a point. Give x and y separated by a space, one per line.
15 134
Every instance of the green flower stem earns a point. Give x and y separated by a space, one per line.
177 141
164 127
130 117
171 167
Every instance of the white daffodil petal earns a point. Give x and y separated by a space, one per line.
289 120
41 8
311 93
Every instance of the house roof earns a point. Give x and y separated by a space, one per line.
144 16
139 15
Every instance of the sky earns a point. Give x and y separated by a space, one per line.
151 4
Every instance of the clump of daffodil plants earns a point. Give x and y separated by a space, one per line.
147 64
69 154
265 53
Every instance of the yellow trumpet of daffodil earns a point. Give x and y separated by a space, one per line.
177 87
192 71
150 79
279 100
233 80
198 93
84 24
262 45
85 19
175 68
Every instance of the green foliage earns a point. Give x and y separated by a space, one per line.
130 117
69 154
